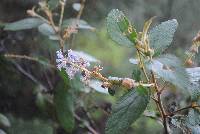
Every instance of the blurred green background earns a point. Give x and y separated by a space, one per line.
20 96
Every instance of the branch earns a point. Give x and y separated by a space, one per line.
28 75
124 82
77 19
81 10
182 109
27 58
159 103
61 13
86 124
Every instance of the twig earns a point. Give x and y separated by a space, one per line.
154 99
141 64
34 14
125 82
27 58
28 75
163 88
154 118
159 103
61 13
51 21
163 113
81 10
48 80
78 19
181 109
86 124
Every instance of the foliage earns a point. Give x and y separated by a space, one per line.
27 23
161 36
36 126
120 28
79 73
128 108
169 68
64 104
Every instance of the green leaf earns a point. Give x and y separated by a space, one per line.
53 4
169 68
64 104
136 74
54 37
193 117
77 85
33 126
120 29
195 85
178 124
46 29
127 110
161 36
193 120
4 122
40 101
23 24
80 24
194 92
2 24
189 123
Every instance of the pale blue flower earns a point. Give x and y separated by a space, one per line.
65 63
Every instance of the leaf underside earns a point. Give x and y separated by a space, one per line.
169 68
189 123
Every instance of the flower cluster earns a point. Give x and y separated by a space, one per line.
72 63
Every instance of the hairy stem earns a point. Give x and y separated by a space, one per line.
141 64
182 109
99 76
159 104
86 124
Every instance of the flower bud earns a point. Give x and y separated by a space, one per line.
189 62
111 91
150 52
128 83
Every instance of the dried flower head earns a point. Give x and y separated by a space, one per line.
197 37
71 64
68 31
